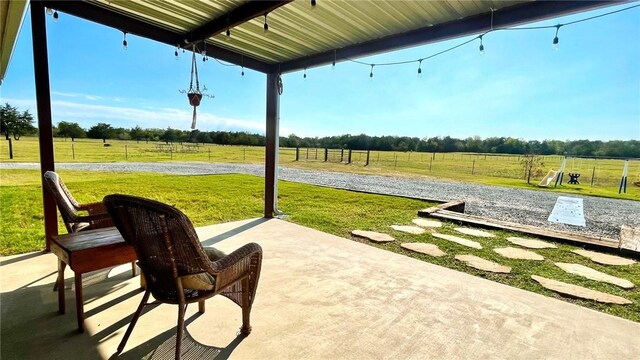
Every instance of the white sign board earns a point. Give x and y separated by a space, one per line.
568 210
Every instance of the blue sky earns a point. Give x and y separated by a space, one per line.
521 87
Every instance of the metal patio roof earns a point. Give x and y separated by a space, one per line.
301 35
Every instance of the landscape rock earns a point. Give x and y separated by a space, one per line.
604 259
373 236
580 292
475 232
593 274
427 223
482 264
521 254
630 238
409 229
531 243
424 248
458 240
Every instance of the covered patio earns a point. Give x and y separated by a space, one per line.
319 296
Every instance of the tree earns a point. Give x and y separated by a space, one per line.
137 133
101 131
12 123
531 163
170 135
72 130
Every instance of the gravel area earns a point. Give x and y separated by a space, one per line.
603 216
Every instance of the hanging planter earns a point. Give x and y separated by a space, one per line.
194 94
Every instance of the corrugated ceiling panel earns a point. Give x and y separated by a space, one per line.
296 30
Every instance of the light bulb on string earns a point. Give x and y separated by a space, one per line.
265 26
124 40
314 4
55 16
242 73
333 64
49 11
371 73
175 53
420 68
481 48
556 40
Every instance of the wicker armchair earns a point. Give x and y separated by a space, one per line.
177 269
96 213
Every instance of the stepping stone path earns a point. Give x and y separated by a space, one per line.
531 243
482 264
458 240
373 236
515 253
593 274
474 232
427 223
604 259
579 291
424 248
409 229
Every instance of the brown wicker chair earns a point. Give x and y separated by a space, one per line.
177 269
97 216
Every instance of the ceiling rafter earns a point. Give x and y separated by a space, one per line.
237 16
141 28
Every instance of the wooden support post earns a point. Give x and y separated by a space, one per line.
593 175
341 155
326 154
126 153
73 152
297 153
349 157
272 140
316 153
209 154
368 152
473 167
307 153
43 105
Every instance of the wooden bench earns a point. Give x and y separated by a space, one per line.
88 251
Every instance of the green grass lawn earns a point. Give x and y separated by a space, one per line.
220 198
503 170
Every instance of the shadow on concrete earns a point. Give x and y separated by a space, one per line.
225 235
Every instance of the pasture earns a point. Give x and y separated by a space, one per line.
599 177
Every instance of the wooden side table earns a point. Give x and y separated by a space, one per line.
87 251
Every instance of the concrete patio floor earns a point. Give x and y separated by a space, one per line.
319 296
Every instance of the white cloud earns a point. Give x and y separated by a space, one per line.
88 115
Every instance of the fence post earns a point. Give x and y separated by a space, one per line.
378 161
326 154
430 160
126 153
73 152
349 157
395 160
341 155
171 153
367 158
297 153
473 167
307 153
209 154
409 156
316 153
244 154
593 174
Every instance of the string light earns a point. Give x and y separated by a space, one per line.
55 16
420 68
313 4
371 73
204 52
176 52
242 65
124 39
333 64
555 39
49 11
481 48
305 74
265 26
228 33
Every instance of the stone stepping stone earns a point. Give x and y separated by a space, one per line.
580 292
458 240
409 229
520 254
482 264
427 223
604 259
531 243
593 274
373 236
424 248
474 232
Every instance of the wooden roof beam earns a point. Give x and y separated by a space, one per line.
237 16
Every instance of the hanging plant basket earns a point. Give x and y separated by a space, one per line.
194 98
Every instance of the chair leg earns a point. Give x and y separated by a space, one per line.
135 318
201 306
246 307
134 269
181 310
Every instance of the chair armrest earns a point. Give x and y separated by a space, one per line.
237 264
96 221
93 208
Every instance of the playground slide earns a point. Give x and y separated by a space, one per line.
548 179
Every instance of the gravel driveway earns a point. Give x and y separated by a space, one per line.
604 216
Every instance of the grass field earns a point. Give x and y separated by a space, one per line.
490 169
221 198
